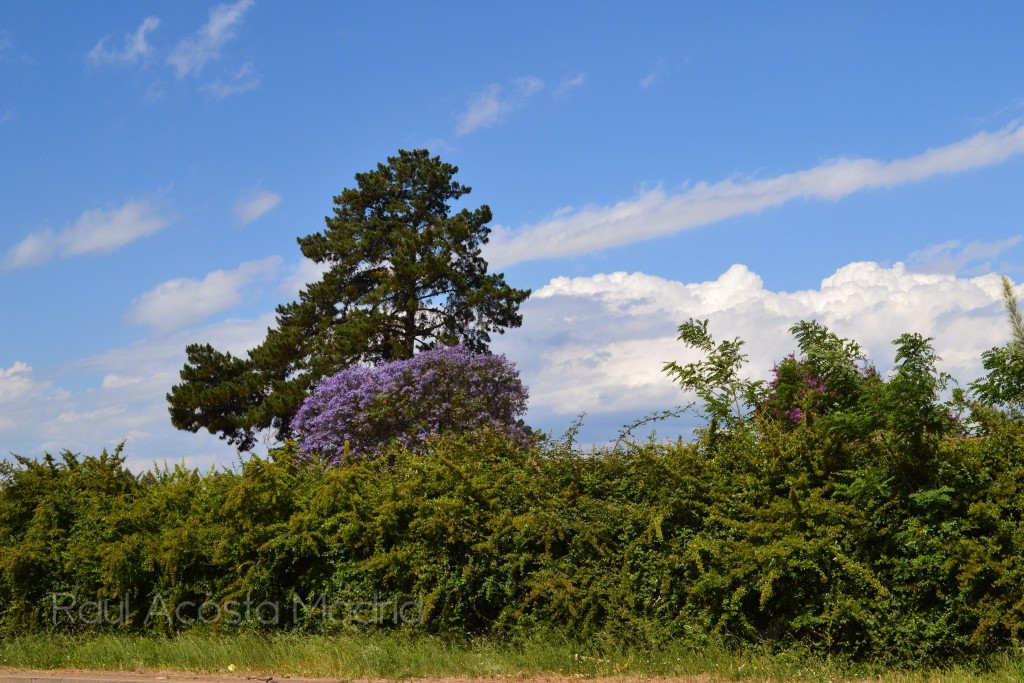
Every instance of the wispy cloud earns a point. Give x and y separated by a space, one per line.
134 48
182 302
254 204
6 45
192 53
570 83
8 116
97 230
655 213
493 105
242 80
954 256
655 76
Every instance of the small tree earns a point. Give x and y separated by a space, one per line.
446 390
716 380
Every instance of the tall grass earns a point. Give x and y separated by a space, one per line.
397 656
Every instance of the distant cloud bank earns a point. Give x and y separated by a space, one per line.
597 344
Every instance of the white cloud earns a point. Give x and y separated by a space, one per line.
490 107
36 248
570 83
305 272
8 116
97 230
6 46
192 53
242 80
15 382
597 344
178 303
135 46
655 76
953 256
115 381
255 204
655 213
129 404
72 417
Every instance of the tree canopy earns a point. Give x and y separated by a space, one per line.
404 273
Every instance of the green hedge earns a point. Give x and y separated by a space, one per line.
858 545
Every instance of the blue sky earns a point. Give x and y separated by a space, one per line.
755 164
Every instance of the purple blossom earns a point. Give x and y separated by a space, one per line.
445 390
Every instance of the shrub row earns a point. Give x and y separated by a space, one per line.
844 546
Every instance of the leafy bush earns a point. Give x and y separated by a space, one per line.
446 390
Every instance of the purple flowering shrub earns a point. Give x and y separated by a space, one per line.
446 390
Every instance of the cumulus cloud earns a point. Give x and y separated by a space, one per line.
597 344
97 230
493 105
192 53
655 213
133 49
254 204
178 303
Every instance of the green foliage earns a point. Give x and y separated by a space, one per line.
403 274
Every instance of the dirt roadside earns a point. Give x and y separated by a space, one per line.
15 675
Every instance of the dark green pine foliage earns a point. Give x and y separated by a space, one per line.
403 274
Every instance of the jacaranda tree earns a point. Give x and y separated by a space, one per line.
403 274
446 390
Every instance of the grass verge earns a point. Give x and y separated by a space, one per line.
397 656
